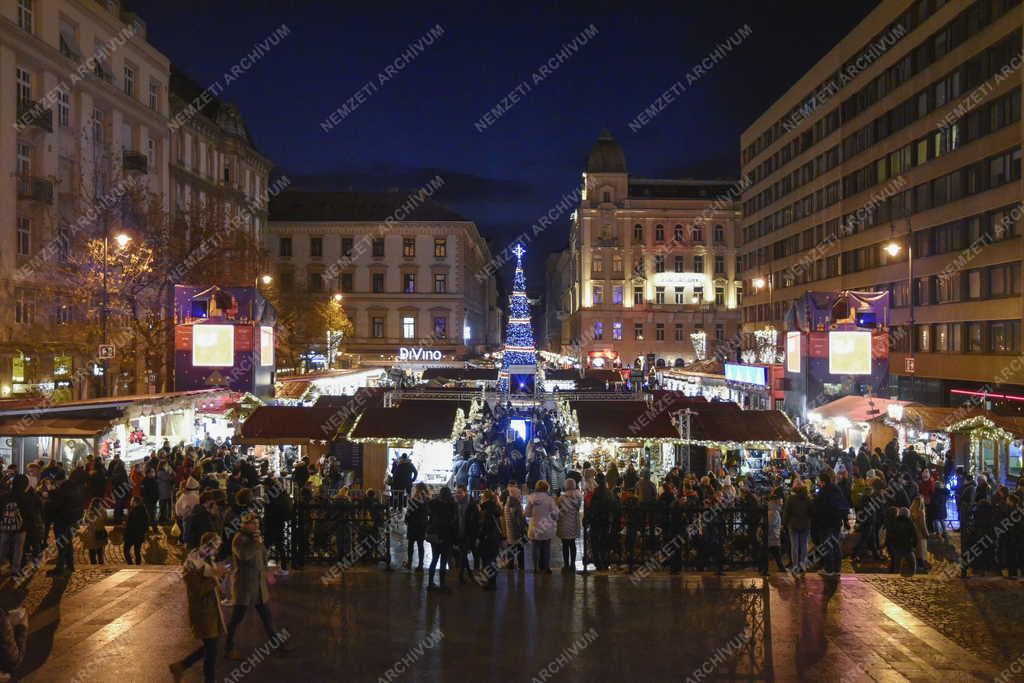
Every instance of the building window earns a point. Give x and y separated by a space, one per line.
284 247
719 234
377 324
346 282
377 283
316 282
346 247
739 295
975 337
638 331
1005 336
677 234
24 87
408 247
378 247
97 126
598 330
719 296
698 294
679 332
659 332
638 296
154 95
659 295
25 15
697 233
617 295
441 327
316 247
616 263
719 332
598 295
680 295
606 196
659 233
24 308
63 108
63 314
408 327
129 81
617 330
440 247
24 235
659 263
440 283
941 338
638 233
680 264
698 264
24 160
597 265
409 282
719 265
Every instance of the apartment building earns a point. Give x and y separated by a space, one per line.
894 165
652 263
412 273
85 110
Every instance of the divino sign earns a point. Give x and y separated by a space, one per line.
418 353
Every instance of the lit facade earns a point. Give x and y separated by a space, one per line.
652 262
911 123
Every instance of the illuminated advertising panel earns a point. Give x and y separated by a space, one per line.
213 346
266 345
849 353
746 374
793 352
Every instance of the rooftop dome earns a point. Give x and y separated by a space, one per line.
606 156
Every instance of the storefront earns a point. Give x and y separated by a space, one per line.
851 421
281 435
306 389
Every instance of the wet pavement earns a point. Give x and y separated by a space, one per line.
370 625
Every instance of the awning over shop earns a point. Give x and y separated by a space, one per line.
858 408
411 420
67 427
293 425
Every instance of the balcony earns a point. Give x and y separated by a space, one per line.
135 161
34 114
35 189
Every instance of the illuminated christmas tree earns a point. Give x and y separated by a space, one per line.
519 348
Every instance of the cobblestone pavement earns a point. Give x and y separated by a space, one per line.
984 615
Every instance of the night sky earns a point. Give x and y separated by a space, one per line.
421 121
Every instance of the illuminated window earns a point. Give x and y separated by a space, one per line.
441 327
598 295
440 247
408 247
638 331
617 330
659 233
598 330
616 263
617 295
408 282
408 327
213 345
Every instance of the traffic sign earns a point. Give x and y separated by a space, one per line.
106 352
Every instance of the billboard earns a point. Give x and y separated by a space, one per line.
746 374
213 346
793 352
266 345
849 353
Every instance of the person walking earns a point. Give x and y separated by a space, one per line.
278 512
774 530
569 504
830 511
919 518
598 518
466 537
515 528
543 514
796 517
416 524
202 577
13 515
165 487
442 529
249 582
135 527
65 511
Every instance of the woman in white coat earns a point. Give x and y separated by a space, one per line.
569 523
542 513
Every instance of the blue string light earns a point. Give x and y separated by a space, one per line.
519 345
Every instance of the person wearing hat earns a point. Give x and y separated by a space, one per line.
188 499
249 582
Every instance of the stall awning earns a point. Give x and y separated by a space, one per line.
410 420
858 408
294 425
54 426
960 419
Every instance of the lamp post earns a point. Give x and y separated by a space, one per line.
893 248
122 241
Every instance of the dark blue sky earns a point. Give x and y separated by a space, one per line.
421 121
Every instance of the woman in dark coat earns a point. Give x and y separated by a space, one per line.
201 579
489 538
135 530
442 528
416 524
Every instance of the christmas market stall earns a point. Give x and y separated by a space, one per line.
424 430
854 420
704 378
306 389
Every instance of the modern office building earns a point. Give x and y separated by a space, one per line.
651 263
413 274
895 160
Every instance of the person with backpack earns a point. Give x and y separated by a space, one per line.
12 523
202 577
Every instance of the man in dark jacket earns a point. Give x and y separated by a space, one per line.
598 517
403 474
67 502
489 540
300 474
201 520
278 512
830 510
469 526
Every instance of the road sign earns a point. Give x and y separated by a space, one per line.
106 352
908 365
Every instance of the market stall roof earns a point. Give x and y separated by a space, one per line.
365 397
286 425
953 419
462 374
712 367
858 408
43 404
770 425
409 420
62 426
292 390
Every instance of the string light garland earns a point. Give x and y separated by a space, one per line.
700 344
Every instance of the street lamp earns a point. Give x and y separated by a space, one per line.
338 297
122 240
265 279
893 249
